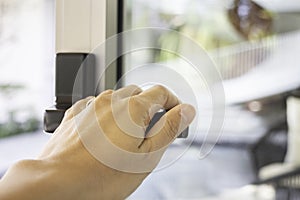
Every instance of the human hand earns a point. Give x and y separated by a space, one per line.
76 164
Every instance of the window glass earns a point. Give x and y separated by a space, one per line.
239 35
26 64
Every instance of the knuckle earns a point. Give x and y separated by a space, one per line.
104 96
162 89
135 87
107 92
137 103
78 103
68 113
163 93
24 164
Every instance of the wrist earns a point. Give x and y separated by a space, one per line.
28 179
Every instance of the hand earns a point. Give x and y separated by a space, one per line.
75 165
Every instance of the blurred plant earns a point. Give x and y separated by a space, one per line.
7 89
211 30
212 26
13 125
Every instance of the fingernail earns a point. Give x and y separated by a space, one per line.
187 113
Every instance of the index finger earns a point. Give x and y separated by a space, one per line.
159 95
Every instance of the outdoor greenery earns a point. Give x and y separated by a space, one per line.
12 125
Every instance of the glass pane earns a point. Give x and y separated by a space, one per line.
26 72
254 46
239 35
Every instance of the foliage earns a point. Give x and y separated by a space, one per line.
11 125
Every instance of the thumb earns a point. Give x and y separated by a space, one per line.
165 131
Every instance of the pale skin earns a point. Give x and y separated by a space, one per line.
66 170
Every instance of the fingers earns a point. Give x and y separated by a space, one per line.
127 91
144 105
169 127
77 107
159 95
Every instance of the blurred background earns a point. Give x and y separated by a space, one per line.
26 76
27 49
254 45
